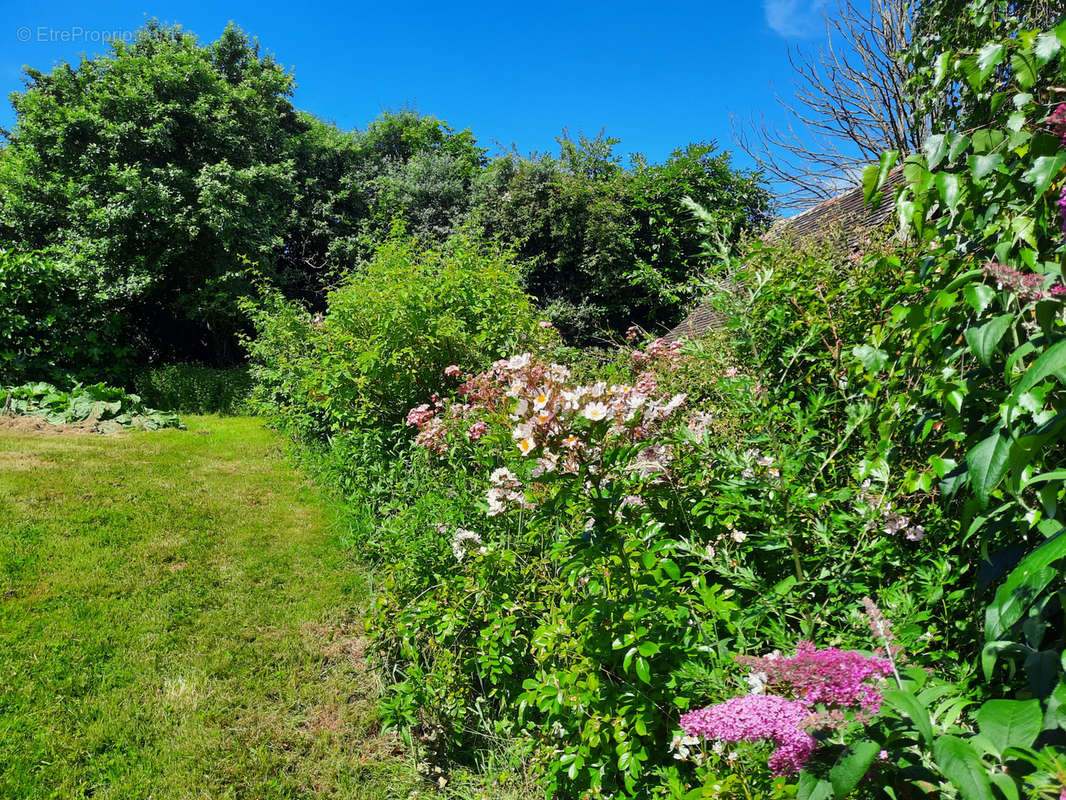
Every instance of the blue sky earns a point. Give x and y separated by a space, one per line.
654 74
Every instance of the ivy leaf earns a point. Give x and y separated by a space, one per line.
1043 171
983 340
987 463
872 359
962 765
1025 582
1010 723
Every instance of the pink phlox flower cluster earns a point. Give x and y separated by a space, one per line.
1057 123
1027 285
757 717
658 350
452 371
844 679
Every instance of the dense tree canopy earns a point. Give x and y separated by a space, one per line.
170 170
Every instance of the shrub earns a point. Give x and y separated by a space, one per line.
390 331
195 388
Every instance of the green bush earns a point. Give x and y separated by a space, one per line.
52 322
195 388
388 333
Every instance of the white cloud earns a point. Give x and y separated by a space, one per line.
795 18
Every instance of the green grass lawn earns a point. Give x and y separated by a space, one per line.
178 620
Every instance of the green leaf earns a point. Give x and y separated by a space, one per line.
1022 586
1010 723
1047 45
643 669
1056 709
1006 784
909 707
1051 362
992 650
940 67
1024 69
873 177
984 340
1043 171
980 166
947 184
872 359
1024 229
958 144
1043 668
987 463
852 766
961 764
811 787
977 68
935 148
978 296
670 568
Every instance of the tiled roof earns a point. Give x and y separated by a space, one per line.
848 210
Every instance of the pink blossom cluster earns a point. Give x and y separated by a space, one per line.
1028 286
429 424
477 396
757 717
1057 123
846 679
657 350
827 686
562 425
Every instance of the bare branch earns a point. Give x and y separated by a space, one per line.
848 105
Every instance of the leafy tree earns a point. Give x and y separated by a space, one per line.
605 246
159 165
